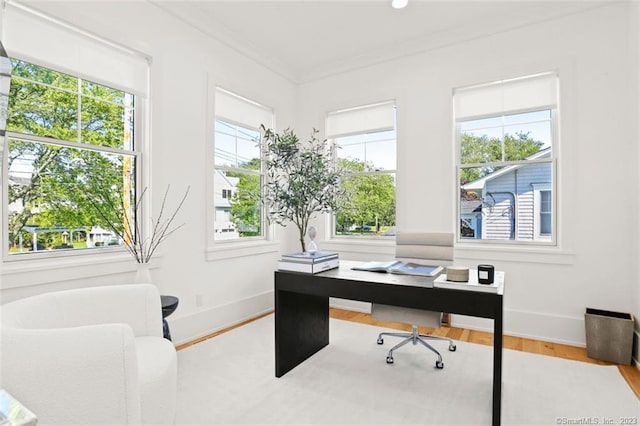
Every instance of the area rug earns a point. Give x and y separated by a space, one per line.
229 380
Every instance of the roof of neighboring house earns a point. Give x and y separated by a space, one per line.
470 206
480 183
17 180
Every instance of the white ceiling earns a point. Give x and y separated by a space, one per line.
303 40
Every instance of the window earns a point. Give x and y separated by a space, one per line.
74 126
505 134
545 213
543 209
366 142
70 148
238 175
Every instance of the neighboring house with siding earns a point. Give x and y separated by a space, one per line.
224 188
513 203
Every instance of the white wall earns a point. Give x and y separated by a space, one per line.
184 63
595 263
634 52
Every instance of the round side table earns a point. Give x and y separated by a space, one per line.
169 305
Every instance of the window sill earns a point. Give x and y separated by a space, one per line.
486 252
233 249
30 272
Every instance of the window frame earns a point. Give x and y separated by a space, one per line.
553 186
138 142
237 247
261 175
393 172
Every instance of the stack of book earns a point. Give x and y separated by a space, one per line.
309 262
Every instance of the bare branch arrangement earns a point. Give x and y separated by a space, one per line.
125 224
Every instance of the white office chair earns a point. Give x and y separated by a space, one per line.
425 248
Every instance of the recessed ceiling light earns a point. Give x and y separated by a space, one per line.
399 4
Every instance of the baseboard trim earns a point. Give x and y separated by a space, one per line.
188 328
530 325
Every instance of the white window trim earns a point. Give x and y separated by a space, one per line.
240 247
529 246
370 118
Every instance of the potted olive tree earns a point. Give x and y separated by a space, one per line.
301 179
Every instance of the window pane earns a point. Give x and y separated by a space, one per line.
520 143
42 110
351 151
381 155
225 154
368 206
238 212
42 75
476 148
377 151
104 124
545 212
499 203
104 93
507 138
236 146
248 154
545 223
65 198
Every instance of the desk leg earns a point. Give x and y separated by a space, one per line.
497 366
302 328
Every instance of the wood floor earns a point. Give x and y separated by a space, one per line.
630 372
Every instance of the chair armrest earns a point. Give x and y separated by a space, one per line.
82 375
137 305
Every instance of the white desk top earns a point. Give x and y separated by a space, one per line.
473 284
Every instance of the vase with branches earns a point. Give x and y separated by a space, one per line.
122 214
302 179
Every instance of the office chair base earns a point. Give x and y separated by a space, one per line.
415 338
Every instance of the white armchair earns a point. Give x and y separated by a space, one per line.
90 356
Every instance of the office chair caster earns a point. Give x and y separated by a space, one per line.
452 348
380 341
439 365
389 360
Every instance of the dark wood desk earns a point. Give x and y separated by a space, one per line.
302 310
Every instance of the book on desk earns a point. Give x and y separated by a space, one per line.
309 262
399 267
